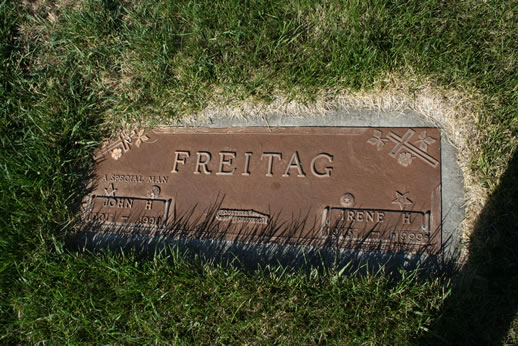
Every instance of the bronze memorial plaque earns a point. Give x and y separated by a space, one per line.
369 189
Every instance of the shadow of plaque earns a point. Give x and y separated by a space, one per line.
484 301
288 195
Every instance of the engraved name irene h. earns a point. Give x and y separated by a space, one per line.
319 166
414 224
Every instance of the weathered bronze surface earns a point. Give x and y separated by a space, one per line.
370 189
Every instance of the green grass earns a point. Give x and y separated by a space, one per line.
115 298
72 73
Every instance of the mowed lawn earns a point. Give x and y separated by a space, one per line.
75 72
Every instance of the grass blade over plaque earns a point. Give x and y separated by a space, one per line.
107 297
72 72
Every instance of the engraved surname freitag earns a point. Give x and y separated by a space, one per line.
374 189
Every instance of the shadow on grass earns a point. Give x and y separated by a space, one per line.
484 302
254 240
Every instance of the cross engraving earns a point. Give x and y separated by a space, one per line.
122 145
403 142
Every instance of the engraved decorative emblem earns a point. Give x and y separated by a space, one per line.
347 200
122 145
116 153
405 159
242 216
402 200
404 151
377 140
154 192
110 191
424 141
140 137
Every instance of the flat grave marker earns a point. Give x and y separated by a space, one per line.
357 188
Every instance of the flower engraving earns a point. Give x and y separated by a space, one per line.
424 141
116 153
122 145
405 159
140 137
377 140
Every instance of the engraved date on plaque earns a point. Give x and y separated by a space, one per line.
377 226
130 212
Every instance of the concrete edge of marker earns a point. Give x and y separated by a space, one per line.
453 198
